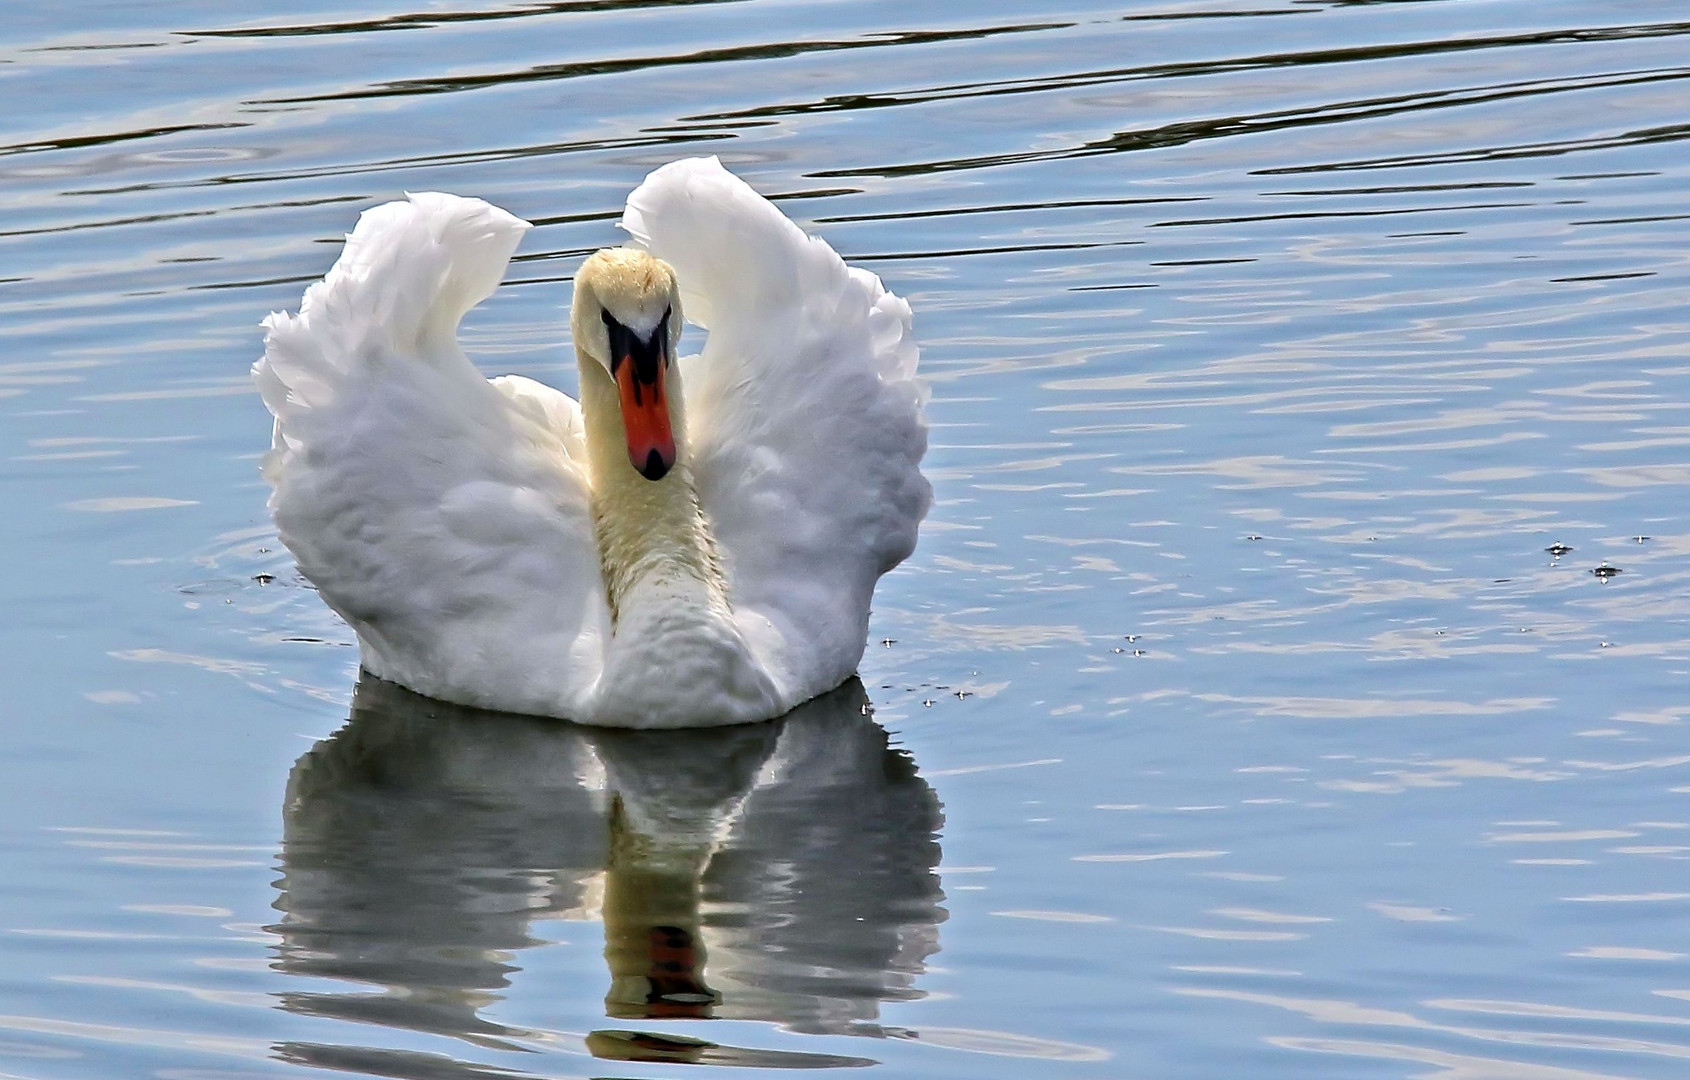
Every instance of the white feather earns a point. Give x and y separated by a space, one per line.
807 421
448 519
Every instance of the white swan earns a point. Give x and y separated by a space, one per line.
695 543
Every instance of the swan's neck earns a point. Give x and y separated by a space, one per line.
654 542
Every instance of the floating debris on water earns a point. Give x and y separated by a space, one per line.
1604 572
1558 549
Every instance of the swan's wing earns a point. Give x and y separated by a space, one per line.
804 415
444 517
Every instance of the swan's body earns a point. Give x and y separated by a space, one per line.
495 544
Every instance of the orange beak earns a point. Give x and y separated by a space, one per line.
645 419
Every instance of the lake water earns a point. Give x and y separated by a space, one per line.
1233 718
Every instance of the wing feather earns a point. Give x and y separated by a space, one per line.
446 518
804 415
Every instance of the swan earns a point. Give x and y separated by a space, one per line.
693 543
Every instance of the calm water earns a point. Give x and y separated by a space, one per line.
1232 719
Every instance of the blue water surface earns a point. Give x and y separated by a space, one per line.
1234 717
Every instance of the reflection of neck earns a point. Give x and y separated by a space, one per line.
654 543
652 942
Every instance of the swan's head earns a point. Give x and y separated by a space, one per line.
627 316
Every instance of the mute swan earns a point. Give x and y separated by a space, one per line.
695 543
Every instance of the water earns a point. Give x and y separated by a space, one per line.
1232 718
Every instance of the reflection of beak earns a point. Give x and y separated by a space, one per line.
645 417
672 986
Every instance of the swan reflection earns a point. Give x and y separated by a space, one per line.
781 871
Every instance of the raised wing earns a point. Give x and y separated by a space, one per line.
804 415
445 518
